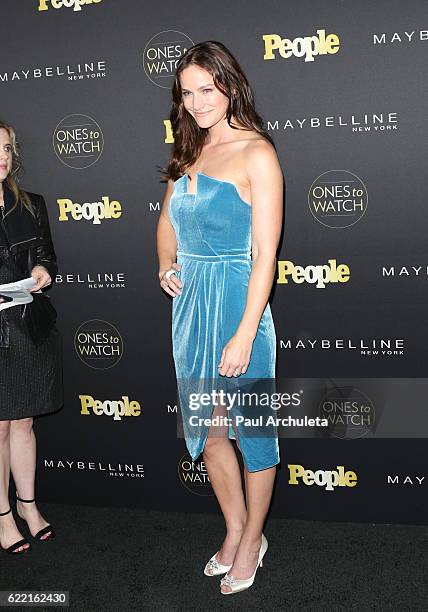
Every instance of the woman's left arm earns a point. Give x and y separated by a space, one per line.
265 176
46 267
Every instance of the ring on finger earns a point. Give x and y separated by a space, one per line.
169 273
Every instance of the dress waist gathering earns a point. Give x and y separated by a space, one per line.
216 258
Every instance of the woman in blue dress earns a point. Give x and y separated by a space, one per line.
217 238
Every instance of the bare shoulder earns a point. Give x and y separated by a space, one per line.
169 187
259 149
261 159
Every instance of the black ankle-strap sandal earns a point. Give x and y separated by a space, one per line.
13 549
45 530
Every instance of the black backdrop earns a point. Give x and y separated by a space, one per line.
87 87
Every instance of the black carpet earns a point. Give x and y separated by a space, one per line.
129 559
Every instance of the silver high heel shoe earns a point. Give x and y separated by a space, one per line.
216 567
240 585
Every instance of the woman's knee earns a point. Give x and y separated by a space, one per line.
4 431
22 425
214 444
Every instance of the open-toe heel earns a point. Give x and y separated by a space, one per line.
48 529
236 585
13 549
215 568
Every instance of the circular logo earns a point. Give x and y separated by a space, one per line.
338 198
349 412
194 476
98 344
78 141
161 55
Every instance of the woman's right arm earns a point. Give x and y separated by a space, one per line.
167 247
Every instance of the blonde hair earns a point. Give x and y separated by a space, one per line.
11 180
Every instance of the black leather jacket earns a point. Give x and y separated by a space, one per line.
28 238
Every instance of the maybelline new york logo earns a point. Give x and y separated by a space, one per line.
76 5
307 46
72 72
395 38
406 479
114 468
407 271
320 275
93 280
368 347
358 123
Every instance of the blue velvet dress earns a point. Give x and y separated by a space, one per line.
213 231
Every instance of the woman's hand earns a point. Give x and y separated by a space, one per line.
173 284
236 356
42 278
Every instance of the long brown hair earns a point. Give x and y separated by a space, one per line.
229 78
11 180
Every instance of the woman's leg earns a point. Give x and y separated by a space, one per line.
225 477
259 493
23 465
9 533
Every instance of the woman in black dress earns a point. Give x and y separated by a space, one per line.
30 347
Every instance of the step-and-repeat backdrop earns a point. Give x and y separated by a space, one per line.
342 89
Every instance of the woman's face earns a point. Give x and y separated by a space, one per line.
201 98
5 154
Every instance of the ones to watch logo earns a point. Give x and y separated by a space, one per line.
337 198
98 344
161 54
194 476
350 413
78 141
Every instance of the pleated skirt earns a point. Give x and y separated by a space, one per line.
30 376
